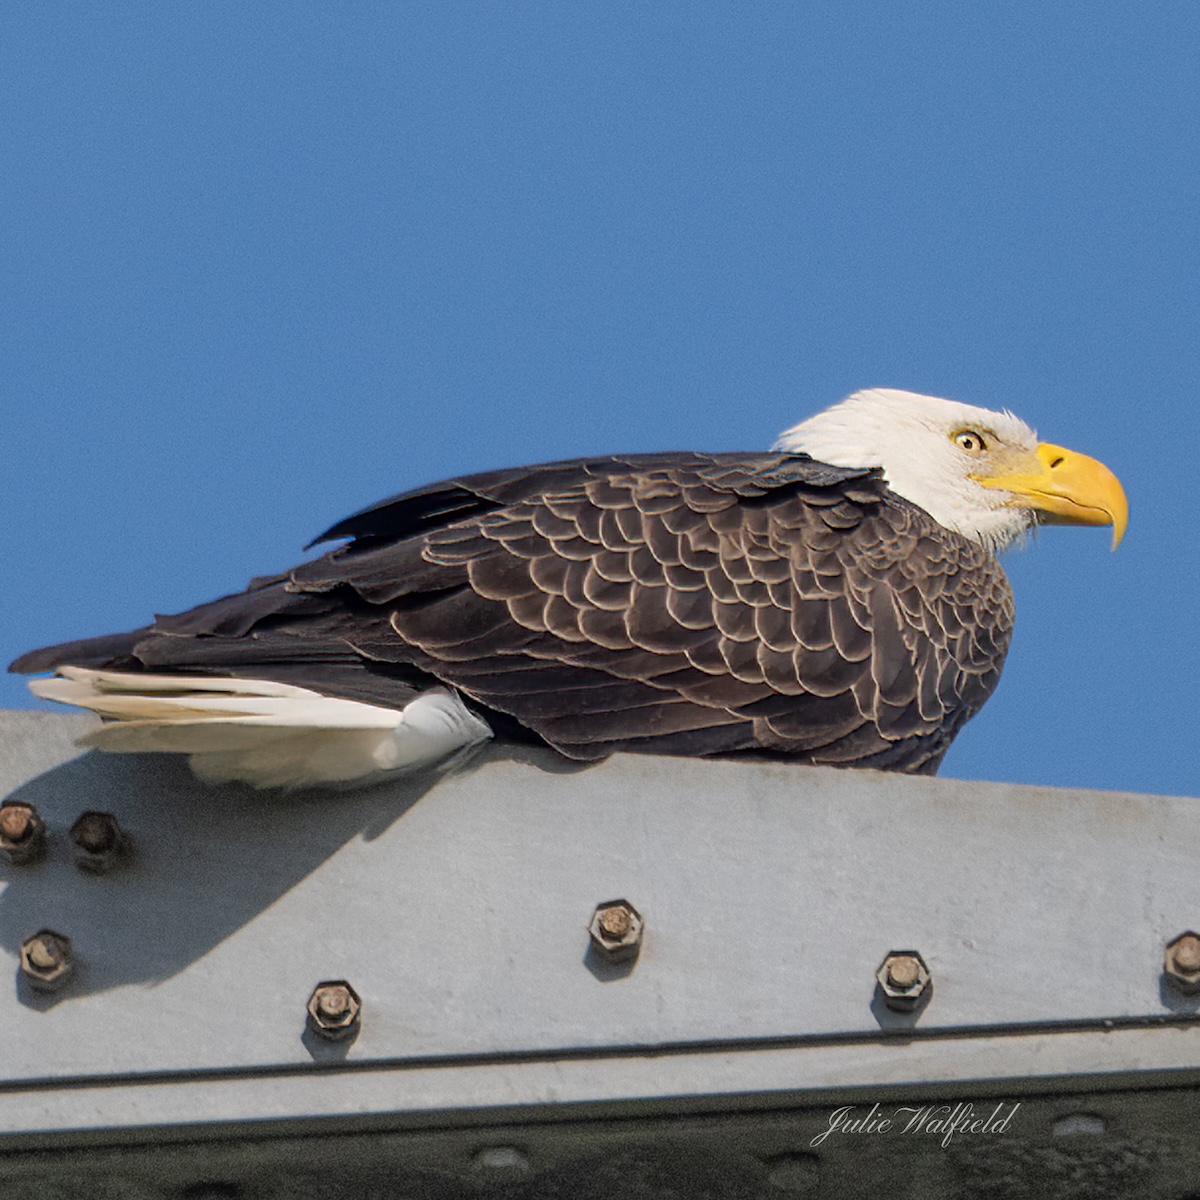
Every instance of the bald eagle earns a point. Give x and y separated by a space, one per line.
837 600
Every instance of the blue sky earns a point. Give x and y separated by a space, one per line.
264 264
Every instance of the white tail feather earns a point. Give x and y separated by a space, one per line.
266 734
181 685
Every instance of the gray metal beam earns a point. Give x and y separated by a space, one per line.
458 906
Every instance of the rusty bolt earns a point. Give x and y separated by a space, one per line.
99 842
903 979
903 972
615 923
616 930
22 832
1181 961
46 960
334 1009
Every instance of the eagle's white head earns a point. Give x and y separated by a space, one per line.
981 473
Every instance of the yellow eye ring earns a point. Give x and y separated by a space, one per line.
971 441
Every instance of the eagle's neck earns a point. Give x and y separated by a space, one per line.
918 462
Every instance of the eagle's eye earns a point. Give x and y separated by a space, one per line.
970 441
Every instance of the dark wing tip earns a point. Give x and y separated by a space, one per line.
36 662
26 664
327 536
87 652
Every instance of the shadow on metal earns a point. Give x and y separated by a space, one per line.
208 861
899 1023
604 968
1175 1000
323 1050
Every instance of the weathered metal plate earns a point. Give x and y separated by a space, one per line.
1128 1145
458 908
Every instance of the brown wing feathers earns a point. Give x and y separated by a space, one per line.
674 603
653 609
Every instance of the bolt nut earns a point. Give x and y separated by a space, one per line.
47 960
334 1009
100 844
1181 961
616 930
903 979
22 832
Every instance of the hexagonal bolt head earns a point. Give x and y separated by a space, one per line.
22 832
100 844
47 960
616 930
903 979
1181 961
334 1009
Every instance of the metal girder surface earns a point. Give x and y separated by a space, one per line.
458 908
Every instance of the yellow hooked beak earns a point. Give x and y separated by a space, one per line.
1067 489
